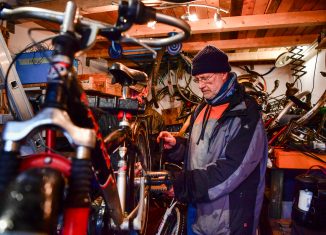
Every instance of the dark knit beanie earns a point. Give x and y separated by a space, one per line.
210 60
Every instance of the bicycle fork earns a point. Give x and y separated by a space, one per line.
26 192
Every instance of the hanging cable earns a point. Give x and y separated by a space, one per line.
313 79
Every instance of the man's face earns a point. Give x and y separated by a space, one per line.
210 83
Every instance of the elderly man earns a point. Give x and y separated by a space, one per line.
225 155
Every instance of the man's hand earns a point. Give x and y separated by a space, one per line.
168 139
169 192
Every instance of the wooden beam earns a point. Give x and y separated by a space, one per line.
233 57
232 44
59 5
260 6
247 9
255 56
238 23
100 9
235 44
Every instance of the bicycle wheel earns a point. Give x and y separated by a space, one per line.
175 223
139 162
312 112
140 137
284 117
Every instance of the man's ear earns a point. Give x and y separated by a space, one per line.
225 76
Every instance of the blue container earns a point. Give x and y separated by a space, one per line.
33 67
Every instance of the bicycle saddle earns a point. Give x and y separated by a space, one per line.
126 76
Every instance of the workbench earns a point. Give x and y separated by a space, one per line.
287 160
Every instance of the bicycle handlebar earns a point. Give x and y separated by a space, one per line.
169 20
133 12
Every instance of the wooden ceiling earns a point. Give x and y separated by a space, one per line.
252 30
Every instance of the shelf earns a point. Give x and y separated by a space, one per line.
295 159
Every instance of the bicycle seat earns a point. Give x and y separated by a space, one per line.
126 76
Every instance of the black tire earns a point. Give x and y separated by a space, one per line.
175 223
140 137
142 155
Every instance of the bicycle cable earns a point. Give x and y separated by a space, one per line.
313 79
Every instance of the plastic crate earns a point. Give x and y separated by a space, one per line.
33 67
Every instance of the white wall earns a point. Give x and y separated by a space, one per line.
20 39
313 81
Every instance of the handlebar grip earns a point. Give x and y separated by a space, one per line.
4 5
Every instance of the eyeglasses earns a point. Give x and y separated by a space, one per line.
203 79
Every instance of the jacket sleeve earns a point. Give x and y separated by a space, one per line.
242 155
176 154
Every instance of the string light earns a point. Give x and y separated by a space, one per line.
193 17
218 20
188 16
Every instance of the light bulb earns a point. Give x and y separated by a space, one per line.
193 17
218 20
188 16
151 24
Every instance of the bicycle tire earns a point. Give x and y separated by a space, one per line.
140 138
313 111
175 223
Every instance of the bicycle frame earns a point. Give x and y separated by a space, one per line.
126 160
66 109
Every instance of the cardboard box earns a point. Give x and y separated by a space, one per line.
99 83
93 82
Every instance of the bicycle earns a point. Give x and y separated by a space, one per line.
296 133
39 191
174 220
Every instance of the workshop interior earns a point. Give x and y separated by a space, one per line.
97 96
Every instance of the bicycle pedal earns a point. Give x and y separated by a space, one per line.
155 174
157 178
158 188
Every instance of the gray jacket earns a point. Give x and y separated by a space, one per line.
224 173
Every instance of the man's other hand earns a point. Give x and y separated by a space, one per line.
168 139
